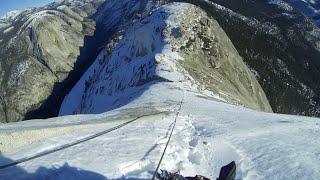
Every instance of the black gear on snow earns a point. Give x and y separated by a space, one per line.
228 172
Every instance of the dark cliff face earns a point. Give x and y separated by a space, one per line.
280 45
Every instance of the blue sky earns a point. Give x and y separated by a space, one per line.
9 5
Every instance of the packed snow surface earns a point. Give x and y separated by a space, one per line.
208 135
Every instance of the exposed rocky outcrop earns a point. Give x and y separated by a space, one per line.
279 44
212 60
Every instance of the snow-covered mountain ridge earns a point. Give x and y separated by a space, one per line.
167 47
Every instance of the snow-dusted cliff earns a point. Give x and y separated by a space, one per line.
167 47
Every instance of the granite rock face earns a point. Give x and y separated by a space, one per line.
280 45
212 60
39 47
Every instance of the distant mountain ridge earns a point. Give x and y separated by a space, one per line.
39 47
310 8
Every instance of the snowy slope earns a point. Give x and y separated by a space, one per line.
208 135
